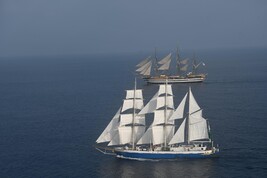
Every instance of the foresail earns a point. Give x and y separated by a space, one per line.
147 71
115 139
143 62
110 130
145 66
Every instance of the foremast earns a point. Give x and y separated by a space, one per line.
126 127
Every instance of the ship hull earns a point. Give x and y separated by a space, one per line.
156 80
158 155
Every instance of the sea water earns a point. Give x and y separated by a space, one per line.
52 109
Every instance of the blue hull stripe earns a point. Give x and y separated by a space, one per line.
141 155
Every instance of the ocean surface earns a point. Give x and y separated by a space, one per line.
52 109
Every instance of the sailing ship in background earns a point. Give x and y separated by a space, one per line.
126 135
144 68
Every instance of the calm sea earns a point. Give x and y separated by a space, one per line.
53 109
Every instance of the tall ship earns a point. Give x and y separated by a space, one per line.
172 134
162 70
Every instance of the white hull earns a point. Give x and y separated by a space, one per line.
174 80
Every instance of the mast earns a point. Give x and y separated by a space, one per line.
177 61
188 119
165 116
156 62
133 145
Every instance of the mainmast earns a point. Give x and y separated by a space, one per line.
177 61
156 62
165 116
188 118
133 123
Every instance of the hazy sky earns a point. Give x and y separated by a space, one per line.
69 27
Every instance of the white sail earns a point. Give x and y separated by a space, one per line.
165 66
158 134
146 71
193 106
130 94
179 112
110 130
129 104
165 59
115 140
185 61
159 117
163 89
147 137
150 107
198 130
146 65
179 135
197 124
143 62
184 68
161 102
125 134
126 119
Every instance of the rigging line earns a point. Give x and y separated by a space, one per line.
195 111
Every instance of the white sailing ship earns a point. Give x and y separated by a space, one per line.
144 68
126 135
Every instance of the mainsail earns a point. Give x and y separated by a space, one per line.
161 129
